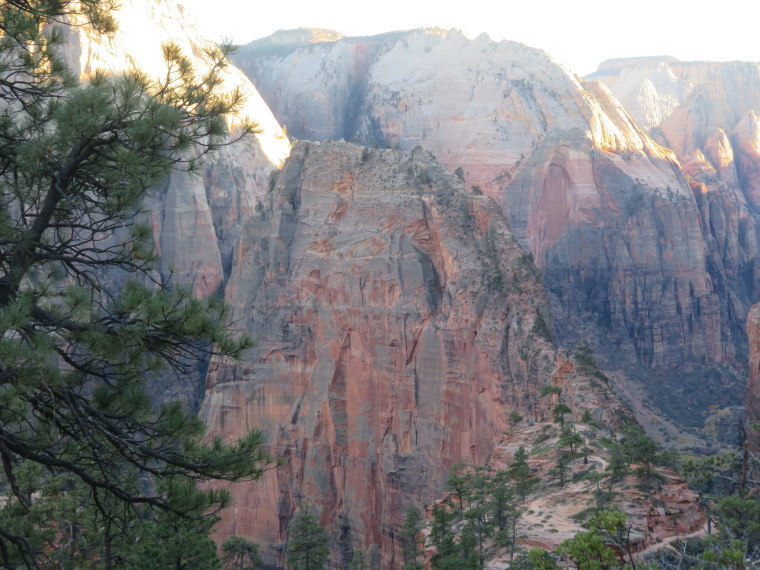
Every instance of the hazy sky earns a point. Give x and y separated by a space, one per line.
578 34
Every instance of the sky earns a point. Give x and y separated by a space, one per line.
579 34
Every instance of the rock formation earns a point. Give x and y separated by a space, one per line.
634 256
650 88
398 324
196 219
753 382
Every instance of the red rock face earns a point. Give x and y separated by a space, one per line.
387 350
753 382
635 258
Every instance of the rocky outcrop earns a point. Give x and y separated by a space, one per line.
398 323
196 218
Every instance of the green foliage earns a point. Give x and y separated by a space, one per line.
590 550
561 467
542 560
307 542
459 172
541 329
585 363
240 554
466 538
497 275
476 190
642 450
739 519
442 536
410 535
169 542
559 411
560 408
570 438
358 561
519 472
365 154
586 418
76 163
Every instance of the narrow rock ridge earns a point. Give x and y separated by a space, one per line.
398 324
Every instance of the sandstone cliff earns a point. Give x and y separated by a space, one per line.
196 219
753 382
398 324
651 88
714 132
634 256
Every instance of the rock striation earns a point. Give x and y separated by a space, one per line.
635 257
398 324
752 403
196 219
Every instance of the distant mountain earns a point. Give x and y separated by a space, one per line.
630 257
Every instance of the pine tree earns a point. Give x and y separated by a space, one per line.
519 471
307 543
76 162
458 484
442 536
560 408
358 561
240 554
169 542
561 467
570 438
410 534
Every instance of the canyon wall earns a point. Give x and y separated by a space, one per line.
398 322
753 383
636 257
196 218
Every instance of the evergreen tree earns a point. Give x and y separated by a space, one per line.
358 561
560 408
442 537
458 484
519 471
570 438
410 534
514 419
561 467
585 362
76 162
307 543
169 542
240 554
